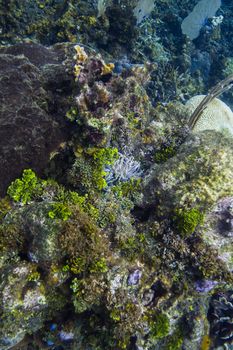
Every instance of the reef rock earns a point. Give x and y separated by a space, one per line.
43 233
198 175
22 304
219 230
30 117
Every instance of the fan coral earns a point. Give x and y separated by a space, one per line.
192 24
143 9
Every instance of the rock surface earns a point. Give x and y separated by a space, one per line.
31 120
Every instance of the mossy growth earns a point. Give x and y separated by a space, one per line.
174 341
75 265
87 292
126 316
186 220
133 247
134 122
159 325
34 276
164 154
31 188
99 266
208 263
115 315
127 189
88 173
60 210
27 188
66 200
11 237
72 114
101 158
5 207
56 300
85 246
76 285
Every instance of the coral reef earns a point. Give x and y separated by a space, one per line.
124 241
116 218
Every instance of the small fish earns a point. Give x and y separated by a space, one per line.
53 327
49 342
205 344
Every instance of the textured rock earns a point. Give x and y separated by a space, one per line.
31 125
43 233
22 305
199 175
219 230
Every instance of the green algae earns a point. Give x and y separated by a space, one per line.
5 207
164 154
174 341
89 168
27 188
187 220
159 326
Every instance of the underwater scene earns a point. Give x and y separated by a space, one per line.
116 174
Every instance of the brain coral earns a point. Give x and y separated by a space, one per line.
216 116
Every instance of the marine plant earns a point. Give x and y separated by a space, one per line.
175 340
5 207
101 158
99 265
11 237
164 154
159 325
34 276
27 188
133 247
60 210
89 170
186 220
85 246
127 189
